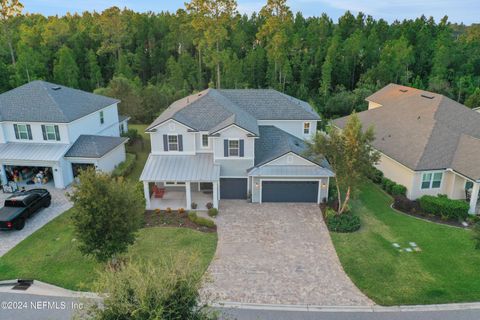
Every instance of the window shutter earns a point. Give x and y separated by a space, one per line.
180 142
29 130
44 132
15 128
57 133
242 148
225 148
165 142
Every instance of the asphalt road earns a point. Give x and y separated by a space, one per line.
15 306
254 314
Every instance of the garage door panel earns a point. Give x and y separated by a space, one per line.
290 191
233 188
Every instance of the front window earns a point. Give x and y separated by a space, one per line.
233 148
432 180
22 131
102 118
50 133
306 128
468 185
173 143
205 140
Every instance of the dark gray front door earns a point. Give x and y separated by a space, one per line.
289 191
233 188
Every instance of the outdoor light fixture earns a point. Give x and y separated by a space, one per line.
324 185
257 185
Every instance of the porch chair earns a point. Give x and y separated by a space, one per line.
158 192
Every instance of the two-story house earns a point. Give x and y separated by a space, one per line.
48 132
233 144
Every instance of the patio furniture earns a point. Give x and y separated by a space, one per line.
158 192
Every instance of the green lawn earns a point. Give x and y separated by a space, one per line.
446 270
142 153
50 254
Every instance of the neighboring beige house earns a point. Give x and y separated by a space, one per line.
428 142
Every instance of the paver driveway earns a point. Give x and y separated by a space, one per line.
277 254
60 204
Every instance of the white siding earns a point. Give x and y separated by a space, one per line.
172 128
198 143
91 124
294 127
233 133
37 135
2 134
112 159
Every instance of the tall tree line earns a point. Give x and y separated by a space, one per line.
148 60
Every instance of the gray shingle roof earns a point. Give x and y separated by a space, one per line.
41 101
212 110
90 146
274 143
423 130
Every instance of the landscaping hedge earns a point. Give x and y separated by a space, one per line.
124 168
192 215
393 188
445 208
376 175
344 223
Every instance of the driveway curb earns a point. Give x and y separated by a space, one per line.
376 308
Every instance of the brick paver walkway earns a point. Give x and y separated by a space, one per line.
277 254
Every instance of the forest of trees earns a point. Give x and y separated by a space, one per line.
150 59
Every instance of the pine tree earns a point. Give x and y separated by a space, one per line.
65 69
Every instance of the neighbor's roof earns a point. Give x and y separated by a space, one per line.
90 146
212 110
274 143
41 101
424 130
198 167
14 151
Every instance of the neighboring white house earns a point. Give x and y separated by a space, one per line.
48 132
428 142
233 144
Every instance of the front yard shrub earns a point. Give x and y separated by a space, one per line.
345 223
181 210
126 167
192 215
209 205
398 190
168 289
213 212
194 205
376 175
445 208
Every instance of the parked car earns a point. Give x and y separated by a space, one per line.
21 206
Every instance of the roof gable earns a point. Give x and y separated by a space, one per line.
41 101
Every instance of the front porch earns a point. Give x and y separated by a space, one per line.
181 195
178 181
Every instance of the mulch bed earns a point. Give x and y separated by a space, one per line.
431 218
172 219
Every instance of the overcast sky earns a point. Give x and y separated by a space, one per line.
466 11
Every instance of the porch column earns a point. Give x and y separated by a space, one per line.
215 194
474 198
146 191
188 191
3 175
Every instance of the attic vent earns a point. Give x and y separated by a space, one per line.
296 143
56 88
403 90
428 97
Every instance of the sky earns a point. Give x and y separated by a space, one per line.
466 11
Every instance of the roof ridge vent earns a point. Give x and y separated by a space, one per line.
403 90
427 96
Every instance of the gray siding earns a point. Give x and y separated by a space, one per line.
234 168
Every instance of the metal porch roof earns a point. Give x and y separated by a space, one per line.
198 167
32 151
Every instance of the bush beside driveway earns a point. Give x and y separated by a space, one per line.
277 253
